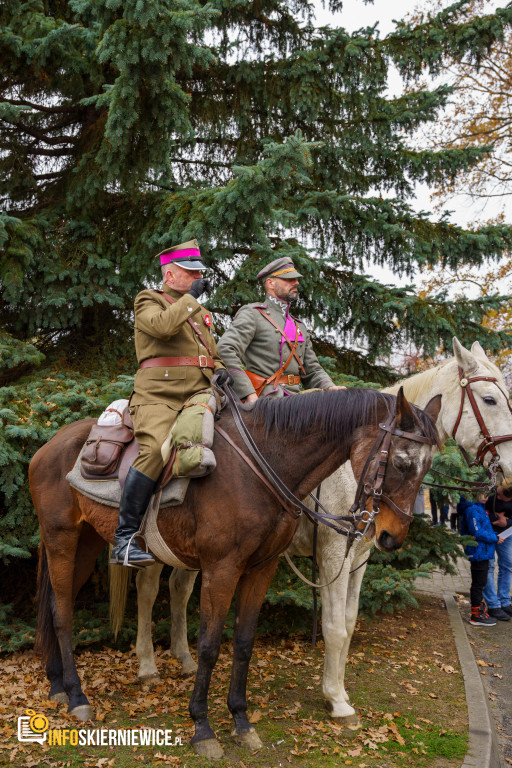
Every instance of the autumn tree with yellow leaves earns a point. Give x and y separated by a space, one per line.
478 116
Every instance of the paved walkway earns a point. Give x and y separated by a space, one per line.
440 583
488 694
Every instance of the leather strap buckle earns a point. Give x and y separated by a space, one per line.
203 361
291 380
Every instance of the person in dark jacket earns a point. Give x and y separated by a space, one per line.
475 522
499 508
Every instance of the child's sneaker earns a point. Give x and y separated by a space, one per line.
480 618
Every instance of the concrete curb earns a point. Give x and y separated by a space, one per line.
483 746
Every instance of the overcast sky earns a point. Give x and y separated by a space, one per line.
356 14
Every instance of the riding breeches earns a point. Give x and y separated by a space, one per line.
151 423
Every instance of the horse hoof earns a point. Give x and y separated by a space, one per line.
83 712
249 739
188 670
61 697
351 722
209 748
153 679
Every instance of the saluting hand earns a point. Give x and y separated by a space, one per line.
199 286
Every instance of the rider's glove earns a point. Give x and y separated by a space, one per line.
199 286
222 377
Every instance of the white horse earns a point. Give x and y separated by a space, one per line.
340 600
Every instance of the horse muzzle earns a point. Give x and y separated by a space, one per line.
387 542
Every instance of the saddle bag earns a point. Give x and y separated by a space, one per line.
191 437
259 382
104 447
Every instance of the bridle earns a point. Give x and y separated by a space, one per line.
370 483
488 443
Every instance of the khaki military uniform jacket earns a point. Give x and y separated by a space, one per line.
162 330
253 343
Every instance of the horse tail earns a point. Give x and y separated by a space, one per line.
119 580
46 637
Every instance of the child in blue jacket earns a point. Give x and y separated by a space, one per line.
475 522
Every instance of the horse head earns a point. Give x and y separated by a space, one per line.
476 406
402 464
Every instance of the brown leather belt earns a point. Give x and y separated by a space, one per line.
171 362
289 379
260 382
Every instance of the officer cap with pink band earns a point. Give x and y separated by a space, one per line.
186 255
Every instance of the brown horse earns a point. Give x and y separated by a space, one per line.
230 526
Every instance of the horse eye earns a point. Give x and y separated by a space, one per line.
402 463
489 400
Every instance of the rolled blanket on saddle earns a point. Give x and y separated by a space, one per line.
191 438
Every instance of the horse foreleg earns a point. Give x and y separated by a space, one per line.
351 611
335 634
181 584
147 581
252 589
217 588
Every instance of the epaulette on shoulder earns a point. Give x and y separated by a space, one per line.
150 292
256 305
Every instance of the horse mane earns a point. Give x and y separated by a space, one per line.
336 413
420 383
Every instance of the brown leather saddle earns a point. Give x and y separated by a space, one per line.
110 451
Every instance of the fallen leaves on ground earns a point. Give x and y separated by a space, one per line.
284 690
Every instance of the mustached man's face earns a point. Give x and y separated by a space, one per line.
283 288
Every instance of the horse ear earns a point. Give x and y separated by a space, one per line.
464 357
479 351
433 407
406 420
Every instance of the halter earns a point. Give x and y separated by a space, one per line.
371 487
488 443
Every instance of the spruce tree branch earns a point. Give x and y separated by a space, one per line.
62 152
50 175
39 107
40 135
186 161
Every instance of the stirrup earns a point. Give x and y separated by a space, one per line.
126 554
126 557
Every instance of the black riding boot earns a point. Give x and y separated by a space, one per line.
137 492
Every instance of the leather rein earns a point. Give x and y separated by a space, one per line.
369 487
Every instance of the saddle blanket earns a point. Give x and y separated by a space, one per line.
109 491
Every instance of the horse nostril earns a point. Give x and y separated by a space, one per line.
388 542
